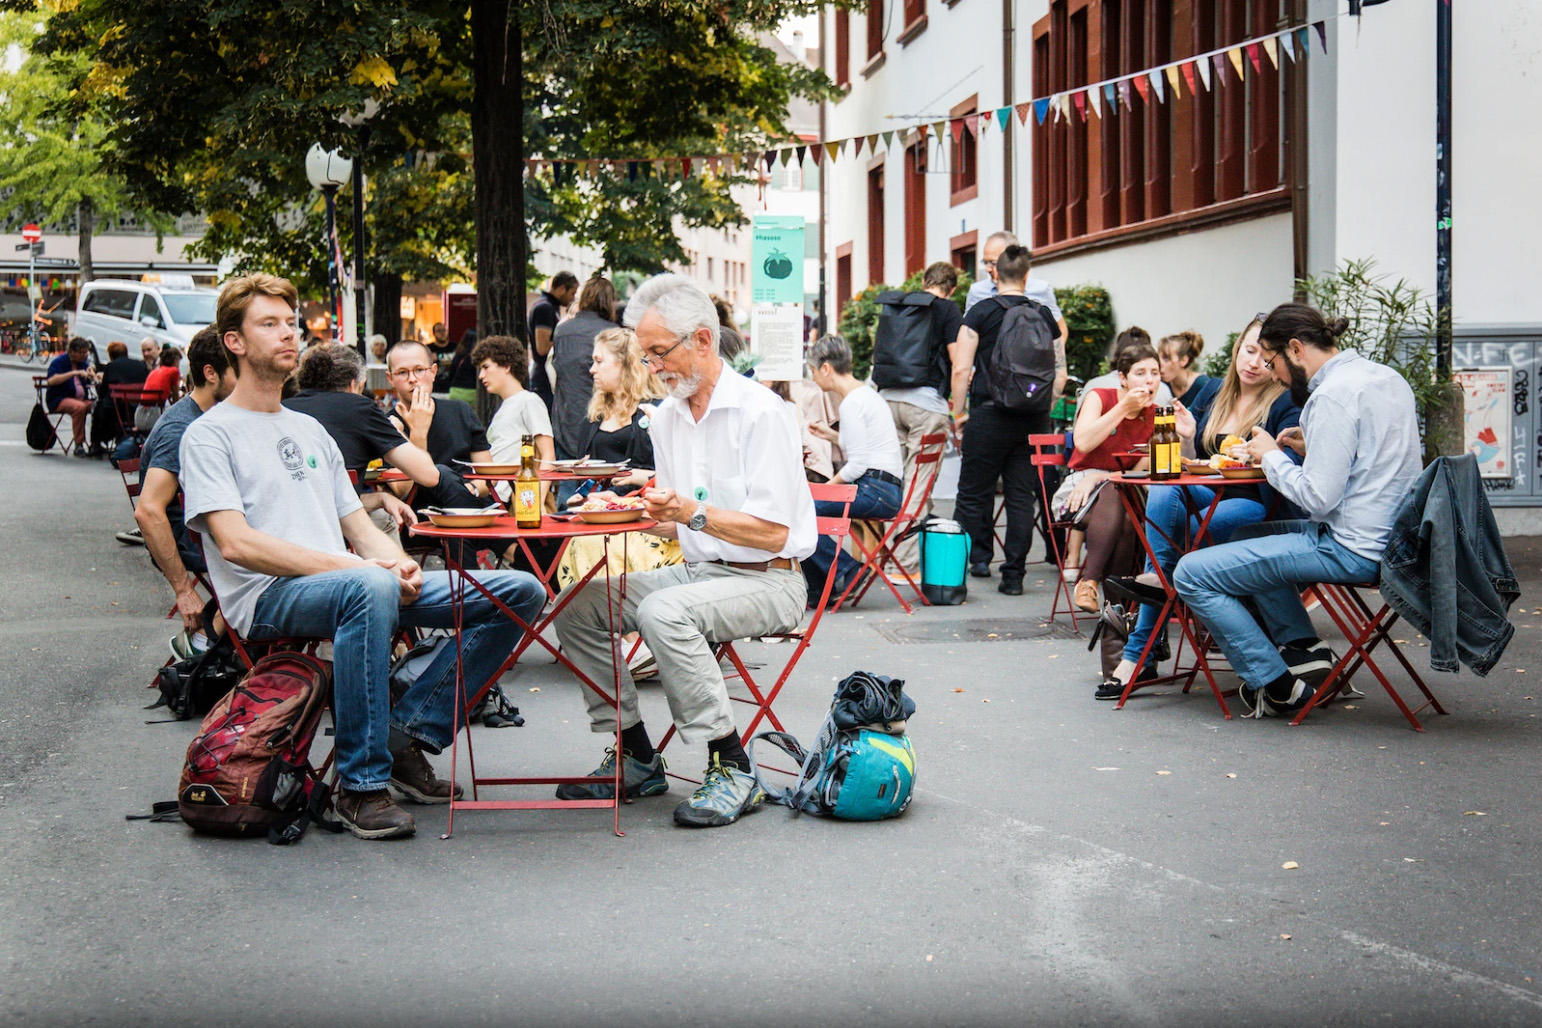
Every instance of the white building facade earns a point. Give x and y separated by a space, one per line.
1198 211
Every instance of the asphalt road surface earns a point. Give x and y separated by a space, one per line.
1062 864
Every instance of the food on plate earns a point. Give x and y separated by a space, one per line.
1229 442
595 503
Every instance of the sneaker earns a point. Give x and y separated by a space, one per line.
643 666
1254 703
980 570
414 778
130 537
639 779
1112 688
1010 586
185 645
1260 704
373 815
726 793
1311 665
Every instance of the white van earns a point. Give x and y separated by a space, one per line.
118 309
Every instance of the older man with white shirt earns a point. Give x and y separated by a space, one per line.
730 488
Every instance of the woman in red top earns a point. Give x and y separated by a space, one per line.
1110 421
163 383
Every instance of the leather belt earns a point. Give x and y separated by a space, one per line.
882 476
774 564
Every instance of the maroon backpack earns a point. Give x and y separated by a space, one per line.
248 771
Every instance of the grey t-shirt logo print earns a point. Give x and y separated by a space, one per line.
289 453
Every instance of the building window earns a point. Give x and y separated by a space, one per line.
1152 163
915 10
963 175
842 278
875 225
963 251
842 46
915 206
874 28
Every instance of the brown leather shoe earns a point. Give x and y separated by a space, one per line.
373 815
412 775
1086 596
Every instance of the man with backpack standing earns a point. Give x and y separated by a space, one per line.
912 369
268 487
1008 366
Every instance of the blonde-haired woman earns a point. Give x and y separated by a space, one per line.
1249 396
617 430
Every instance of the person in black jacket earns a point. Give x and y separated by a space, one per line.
107 422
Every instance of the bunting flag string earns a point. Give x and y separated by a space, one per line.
1102 99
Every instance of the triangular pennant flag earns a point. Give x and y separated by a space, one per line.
1258 62
938 128
1303 42
1322 34
1172 80
972 123
1092 100
1219 60
888 139
856 146
1188 76
1081 104
816 152
786 156
1203 67
1003 117
1112 96
685 167
1156 85
957 125
1235 56
769 158
832 148
1142 88
1065 106
1287 43
802 153
1022 112
1124 94
1273 50
1040 109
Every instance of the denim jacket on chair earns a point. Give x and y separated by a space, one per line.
1445 568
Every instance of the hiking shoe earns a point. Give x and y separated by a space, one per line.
980 570
130 537
414 778
185 645
1312 666
1010 586
373 815
638 779
725 794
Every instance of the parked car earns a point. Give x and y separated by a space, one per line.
128 311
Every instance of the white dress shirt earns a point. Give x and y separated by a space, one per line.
868 438
744 455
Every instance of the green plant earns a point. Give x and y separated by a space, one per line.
1219 362
1089 318
1389 323
859 318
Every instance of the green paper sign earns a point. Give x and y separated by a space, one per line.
776 259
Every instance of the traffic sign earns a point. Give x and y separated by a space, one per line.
31 233
22 247
54 262
36 248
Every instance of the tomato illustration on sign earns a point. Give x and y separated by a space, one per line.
777 264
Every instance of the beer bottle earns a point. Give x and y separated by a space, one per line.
527 487
1174 442
1158 450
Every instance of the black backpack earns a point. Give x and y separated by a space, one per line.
1021 370
40 432
905 344
190 688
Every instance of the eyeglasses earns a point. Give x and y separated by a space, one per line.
657 359
412 372
989 264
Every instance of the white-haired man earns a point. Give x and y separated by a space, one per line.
1036 289
730 488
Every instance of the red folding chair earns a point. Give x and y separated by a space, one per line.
128 470
884 533
55 418
760 698
125 398
1049 452
1364 629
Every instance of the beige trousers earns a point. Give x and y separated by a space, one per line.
912 422
680 611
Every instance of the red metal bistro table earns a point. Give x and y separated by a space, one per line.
1132 494
564 529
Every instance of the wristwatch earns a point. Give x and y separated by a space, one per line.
698 522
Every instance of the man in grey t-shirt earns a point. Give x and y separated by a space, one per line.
267 485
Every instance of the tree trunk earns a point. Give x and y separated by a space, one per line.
388 306
498 164
85 214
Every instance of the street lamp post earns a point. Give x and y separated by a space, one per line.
328 170
359 121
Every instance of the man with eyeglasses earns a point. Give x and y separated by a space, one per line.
448 429
730 488
1036 289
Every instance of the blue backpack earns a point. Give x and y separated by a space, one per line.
862 767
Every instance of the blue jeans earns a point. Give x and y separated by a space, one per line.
1266 564
1166 513
361 611
875 499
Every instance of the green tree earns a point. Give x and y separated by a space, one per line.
55 150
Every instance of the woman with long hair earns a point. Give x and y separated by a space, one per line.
1249 396
617 430
1178 356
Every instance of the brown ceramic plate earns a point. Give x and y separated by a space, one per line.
1243 473
609 517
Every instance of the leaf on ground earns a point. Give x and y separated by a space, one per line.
1231 774
1284 935
1164 772
1475 813
535 688
1105 769
1290 865
958 690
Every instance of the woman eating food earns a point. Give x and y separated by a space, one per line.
1249 396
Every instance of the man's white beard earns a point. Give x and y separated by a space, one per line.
681 388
